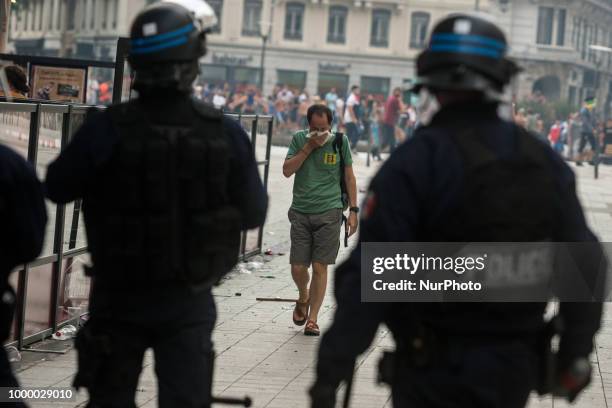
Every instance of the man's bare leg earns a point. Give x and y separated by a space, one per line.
317 289
301 279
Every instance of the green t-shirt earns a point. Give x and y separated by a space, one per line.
316 187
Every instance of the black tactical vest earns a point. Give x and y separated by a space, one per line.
513 199
510 199
161 213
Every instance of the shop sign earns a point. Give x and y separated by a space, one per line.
227 59
330 67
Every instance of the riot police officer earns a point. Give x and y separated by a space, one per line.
167 185
434 188
23 218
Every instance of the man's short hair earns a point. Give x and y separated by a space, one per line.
354 87
319 110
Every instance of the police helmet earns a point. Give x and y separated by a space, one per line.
201 11
165 33
166 43
465 53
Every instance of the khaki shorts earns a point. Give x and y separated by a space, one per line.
315 237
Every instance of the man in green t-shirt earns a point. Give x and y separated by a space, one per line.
316 210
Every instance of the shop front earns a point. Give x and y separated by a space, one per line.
378 87
295 80
235 70
333 76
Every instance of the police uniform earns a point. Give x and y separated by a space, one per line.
468 354
23 215
167 185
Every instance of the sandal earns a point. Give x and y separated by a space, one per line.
311 329
298 309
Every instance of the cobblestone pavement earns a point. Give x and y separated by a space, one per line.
263 355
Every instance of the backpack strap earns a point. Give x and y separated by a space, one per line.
338 140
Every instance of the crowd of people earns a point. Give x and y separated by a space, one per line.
569 136
369 117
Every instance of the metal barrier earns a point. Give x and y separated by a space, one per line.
53 290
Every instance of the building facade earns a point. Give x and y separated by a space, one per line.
552 40
320 44
85 29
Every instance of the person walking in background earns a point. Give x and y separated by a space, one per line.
376 116
554 137
331 98
520 118
304 104
351 120
339 114
316 213
250 104
393 107
219 100
587 132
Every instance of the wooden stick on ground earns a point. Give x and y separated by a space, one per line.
275 299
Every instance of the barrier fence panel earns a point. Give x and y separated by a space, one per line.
53 290
259 128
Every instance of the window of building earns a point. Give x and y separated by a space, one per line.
378 87
379 36
245 75
71 17
575 23
294 21
610 45
25 14
34 9
590 36
217 6
418 29
50 16
293 79
115 12
84 9
105 13
214 74
336 30
545 25
561 16
328 80
251 18
60 13
41 7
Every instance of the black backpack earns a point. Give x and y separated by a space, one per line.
338 141
514 199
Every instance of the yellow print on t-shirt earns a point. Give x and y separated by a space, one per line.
329 158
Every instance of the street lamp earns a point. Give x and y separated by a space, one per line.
265 29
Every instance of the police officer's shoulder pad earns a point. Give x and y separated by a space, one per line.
207 111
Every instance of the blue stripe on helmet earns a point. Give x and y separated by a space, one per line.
158 47
466 49
164 36
468 38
